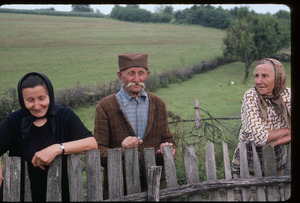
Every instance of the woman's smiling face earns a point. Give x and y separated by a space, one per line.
36 100
264 75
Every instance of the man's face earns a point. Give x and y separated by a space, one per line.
134 80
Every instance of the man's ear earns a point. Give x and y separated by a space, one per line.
119 75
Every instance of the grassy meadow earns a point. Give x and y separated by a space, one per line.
78 50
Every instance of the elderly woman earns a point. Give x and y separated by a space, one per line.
266 115
40 131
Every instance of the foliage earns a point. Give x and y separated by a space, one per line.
131 13
8 104
205 15
251 37
161 18
52 12
81 8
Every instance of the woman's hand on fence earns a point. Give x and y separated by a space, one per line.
160 150
45 156
280 136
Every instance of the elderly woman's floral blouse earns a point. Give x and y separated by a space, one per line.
254 128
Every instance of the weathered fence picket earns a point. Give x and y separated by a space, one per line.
214 195
75 178
244 170
228 176
93 176
54 193
191 169
115 174
153 177
149 156
270 170
193 188
287 187
12 178
132 171
27 190
260 193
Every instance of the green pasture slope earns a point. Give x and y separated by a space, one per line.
72 50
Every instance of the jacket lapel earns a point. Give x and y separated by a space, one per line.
150 115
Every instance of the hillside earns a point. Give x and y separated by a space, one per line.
77 50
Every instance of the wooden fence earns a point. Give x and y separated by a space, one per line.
266 187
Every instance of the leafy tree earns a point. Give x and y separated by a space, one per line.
253 36
130 13
81 8
168 10
205 15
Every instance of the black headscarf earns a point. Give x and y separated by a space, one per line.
29 118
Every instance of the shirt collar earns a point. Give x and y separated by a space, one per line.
126 98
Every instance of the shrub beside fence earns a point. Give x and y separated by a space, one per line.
194 188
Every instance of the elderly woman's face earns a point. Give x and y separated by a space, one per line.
264 78
36 100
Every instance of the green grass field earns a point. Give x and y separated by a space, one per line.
75 50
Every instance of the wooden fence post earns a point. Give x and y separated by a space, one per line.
75 178
228 176
170 170
153 177
93 176
260 192
132 171
287 187
115 173
198 125
12 179
270 170
169 165
149 156
214 195
27 189
191 169
244 171
54 181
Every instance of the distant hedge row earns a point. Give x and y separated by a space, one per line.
81 95
52 13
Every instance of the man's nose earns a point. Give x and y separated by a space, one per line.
136 78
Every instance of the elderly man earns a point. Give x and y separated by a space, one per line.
132 118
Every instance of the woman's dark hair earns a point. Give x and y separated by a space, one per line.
33 81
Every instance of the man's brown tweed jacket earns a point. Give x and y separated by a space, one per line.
112 127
